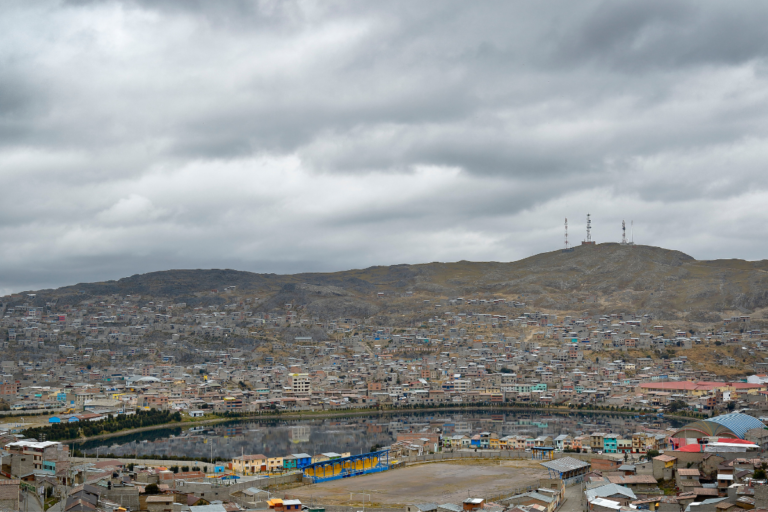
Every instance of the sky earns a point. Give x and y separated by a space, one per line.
290 136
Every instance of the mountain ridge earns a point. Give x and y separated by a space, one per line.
663 281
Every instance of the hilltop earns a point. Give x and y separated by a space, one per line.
663 282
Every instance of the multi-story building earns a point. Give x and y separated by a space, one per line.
300 385
29 458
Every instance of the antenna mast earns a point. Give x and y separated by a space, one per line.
567 247
588 241
623 233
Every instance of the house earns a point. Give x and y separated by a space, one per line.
472 504
544 499
663 467
274 464
610 443
614 492
628 469
302 460
567 468
596 441
291 505
249 464
563 442
687 478
160 503
638 483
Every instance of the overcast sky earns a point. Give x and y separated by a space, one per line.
288 136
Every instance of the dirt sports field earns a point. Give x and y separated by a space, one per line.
439 482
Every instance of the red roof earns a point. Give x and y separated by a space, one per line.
679 386
690 448
701 385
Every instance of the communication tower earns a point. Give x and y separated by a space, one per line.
567 247
588 241
623 233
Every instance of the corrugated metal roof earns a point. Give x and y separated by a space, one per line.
609 490
565 464
738 423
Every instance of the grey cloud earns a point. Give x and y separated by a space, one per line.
143 135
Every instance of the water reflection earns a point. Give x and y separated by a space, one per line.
356 434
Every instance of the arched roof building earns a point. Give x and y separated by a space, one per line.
733 425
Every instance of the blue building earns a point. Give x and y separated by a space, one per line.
302 460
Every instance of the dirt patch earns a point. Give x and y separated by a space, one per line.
440 482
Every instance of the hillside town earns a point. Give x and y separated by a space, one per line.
120 353
80 368
707 465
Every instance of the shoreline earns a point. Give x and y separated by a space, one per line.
365 412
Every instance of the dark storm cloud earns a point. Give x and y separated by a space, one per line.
143 135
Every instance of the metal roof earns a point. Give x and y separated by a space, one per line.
738 423
609 490
565 464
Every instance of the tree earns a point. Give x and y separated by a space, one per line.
677 405
651 454
151 489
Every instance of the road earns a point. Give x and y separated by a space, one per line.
572 500
29 503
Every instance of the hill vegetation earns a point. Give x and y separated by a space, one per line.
609 277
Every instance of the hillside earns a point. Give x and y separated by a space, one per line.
610 276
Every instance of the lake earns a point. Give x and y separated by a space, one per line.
356 434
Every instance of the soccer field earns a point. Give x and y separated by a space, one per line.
440 482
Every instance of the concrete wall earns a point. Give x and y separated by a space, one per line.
125 496
216 491
669 507
22 464
644 468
